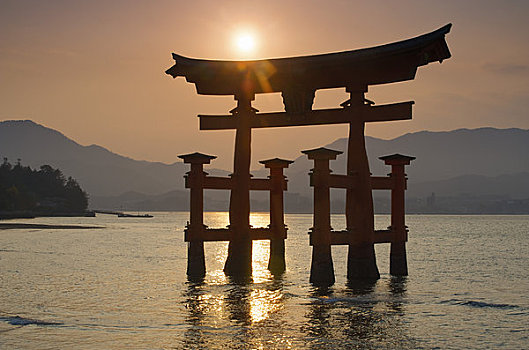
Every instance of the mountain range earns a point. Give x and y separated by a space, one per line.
98 170
470 162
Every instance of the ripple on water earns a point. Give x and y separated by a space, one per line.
125 286
479 304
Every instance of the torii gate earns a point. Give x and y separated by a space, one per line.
297 79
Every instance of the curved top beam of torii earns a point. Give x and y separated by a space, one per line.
354 69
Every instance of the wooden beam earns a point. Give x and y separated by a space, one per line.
366 113
343 237
341 181
225 183
225 234
260 185
382 182
345 181
217 183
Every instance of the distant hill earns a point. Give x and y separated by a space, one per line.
170 201
440 155
99 171
480 161
516 186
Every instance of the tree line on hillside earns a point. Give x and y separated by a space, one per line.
45 190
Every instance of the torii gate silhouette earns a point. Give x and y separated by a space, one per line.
298 78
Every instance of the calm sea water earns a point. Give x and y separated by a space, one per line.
124 286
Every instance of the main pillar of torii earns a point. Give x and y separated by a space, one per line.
239 261
298 78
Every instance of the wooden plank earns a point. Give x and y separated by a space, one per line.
336 181
342 237
382 182
341 181
209 235
395 111
260 233
383 236
224 234
217 183
260 185
225 183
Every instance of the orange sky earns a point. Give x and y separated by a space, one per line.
94 70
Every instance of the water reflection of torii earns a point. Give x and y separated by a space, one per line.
298 78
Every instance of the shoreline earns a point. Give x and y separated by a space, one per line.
14 225
9 215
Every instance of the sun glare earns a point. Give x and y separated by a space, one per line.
245 43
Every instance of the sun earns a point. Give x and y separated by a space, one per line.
245 42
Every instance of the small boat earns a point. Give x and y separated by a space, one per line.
123 215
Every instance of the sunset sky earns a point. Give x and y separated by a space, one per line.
94 70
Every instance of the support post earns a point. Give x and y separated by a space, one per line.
321 270
196 265
398 265
359 214
239 260
277 264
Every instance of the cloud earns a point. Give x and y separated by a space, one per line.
506 68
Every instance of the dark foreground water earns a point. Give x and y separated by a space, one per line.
124 287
